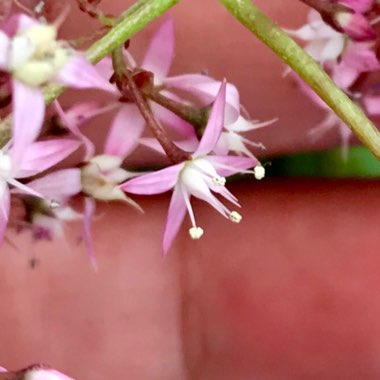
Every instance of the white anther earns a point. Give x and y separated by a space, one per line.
259 172
219 181
235 217
196 232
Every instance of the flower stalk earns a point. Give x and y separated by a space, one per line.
125 82
292 54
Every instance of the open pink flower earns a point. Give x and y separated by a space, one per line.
37 157
203 174
30 53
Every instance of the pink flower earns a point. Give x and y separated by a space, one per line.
203 174
30 53
36 158
50 213
323 43
358 58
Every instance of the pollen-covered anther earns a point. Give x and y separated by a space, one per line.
259 172
196 233
235 217
219 181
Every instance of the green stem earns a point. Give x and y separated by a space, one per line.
196 117
287 49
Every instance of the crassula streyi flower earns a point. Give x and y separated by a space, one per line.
200 176
32 55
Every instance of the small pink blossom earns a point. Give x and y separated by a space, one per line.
203 174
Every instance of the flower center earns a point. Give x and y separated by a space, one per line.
36 56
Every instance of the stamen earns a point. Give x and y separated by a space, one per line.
196 232
259 172
219 181
235 217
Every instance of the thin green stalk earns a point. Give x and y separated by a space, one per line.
288 50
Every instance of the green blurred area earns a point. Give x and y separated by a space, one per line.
359 164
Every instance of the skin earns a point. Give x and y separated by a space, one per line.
290 293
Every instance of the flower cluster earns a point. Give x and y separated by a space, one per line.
341 36
203 113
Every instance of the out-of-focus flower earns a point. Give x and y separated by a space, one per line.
203 174
102 174
48 215
323 43
37 157
358 58
31 54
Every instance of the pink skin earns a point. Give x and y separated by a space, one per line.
291 293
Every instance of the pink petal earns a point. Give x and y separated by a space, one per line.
153 183
189 145
89 210
172 121
58 185
160 52
372 105
358 27
176 214
70 121
229 165
127 127
28 115
105 68
4 51
25 22
4 208
360 6
42 155
206 89
214 125
80 73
